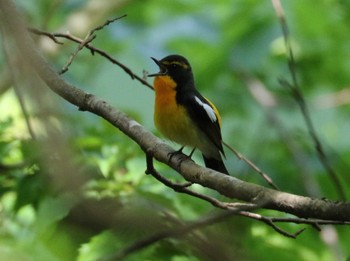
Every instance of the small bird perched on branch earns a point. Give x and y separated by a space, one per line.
183 115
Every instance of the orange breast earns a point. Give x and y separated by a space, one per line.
172 119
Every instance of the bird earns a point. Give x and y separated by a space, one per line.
183 115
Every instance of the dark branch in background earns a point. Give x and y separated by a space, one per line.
299 98
24 110
18 92
184 229
180 230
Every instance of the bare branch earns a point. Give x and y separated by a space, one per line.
299 98
40 32
88 39
108 22
93 50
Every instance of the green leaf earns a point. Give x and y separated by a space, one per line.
99 246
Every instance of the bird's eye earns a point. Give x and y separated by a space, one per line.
174 65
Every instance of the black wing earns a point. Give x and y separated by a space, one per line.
203 114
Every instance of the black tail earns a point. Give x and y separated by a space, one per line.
215 164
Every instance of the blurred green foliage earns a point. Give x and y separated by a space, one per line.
94 199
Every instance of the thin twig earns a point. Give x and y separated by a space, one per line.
88 39
93 50
253 166
68 36
109 21
308 221
298 96
268 221
40 32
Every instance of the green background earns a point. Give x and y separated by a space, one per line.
79 192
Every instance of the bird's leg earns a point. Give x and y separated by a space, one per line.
176 152
190 156
183 156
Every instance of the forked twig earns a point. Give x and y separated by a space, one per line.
88 39
68 36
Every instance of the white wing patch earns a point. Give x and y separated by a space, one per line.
210 112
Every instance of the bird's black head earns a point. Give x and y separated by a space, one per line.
175 66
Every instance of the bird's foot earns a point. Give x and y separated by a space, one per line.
176 152
182 157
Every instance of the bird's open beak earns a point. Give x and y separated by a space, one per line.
161 67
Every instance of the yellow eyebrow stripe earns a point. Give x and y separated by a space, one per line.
178 63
